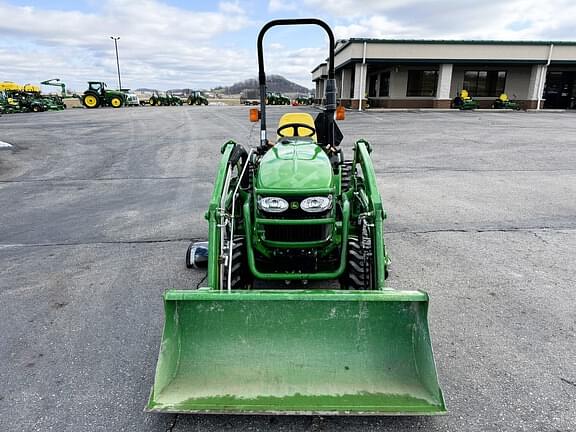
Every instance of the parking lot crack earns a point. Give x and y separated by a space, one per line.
201 281
145 241
533 230
572 383
173 424
98 179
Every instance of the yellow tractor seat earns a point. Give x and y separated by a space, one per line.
464 95
292 118
504 97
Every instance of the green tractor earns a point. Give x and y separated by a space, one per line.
304 100
29 102
196 98
504 102
159 99
98 95
174 100
40 102
295 316
273 98
53 103
463 101
8 104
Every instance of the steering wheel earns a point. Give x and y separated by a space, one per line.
294 127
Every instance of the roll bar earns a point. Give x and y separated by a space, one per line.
330 106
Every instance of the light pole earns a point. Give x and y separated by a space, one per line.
117 61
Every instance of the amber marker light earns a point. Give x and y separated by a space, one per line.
254 114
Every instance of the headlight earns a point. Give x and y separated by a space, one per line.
316 204
272 204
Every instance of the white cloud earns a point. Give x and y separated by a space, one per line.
160 45
167 46
451 19
353 8
374 27
281 6
302 61
231 8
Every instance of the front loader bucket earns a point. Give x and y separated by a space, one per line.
297 352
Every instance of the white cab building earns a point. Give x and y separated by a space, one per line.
430 73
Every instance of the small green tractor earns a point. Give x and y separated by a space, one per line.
197 98
9 105
274 98
27 98
504 102
303 100
162 99
174 100
157 99
29 102
295 316
464 101
98 95
46 102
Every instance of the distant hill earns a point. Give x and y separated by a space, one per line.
274 83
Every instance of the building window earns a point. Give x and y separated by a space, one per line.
485 83
422 83
384 84
352 78
379 84
372 85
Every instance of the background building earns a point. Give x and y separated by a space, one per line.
430 73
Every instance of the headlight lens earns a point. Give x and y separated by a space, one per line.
316 204
272 204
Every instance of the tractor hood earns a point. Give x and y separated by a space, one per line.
295 164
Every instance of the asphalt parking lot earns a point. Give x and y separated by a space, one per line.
98 207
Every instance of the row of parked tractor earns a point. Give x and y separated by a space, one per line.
252 97
98 95
16 98
465 101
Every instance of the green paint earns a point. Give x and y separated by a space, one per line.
301 351
297 351
297 164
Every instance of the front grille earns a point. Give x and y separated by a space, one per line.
297 233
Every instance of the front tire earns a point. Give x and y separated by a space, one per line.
116 102
360 272
241 277
90 101
346 175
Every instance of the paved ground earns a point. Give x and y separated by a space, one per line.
97 208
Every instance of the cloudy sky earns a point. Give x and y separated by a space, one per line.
200 44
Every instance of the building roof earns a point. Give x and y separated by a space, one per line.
443 51
318 67
456 41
